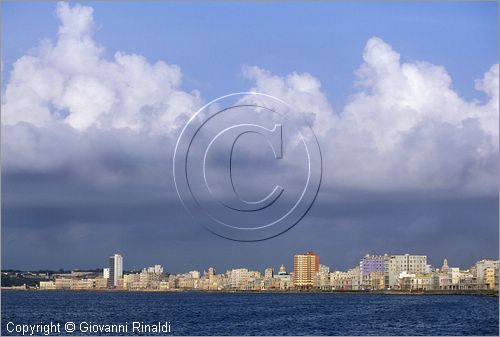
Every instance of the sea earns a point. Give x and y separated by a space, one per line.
204 313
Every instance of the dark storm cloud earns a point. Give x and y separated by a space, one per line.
148 227
408 166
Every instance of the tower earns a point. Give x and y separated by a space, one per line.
115 270
305 267
445 267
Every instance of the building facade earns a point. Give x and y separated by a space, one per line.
412 264
115 270
486 273
305 267
371 267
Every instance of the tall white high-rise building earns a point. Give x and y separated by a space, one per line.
115 269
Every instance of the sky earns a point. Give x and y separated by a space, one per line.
404 103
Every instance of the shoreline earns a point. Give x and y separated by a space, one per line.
490 293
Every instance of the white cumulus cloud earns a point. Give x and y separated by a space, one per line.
70 81
405 128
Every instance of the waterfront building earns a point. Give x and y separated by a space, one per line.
211 281
47 285
354 278
119 283
63 283
422 281
254 281
467 280
339 280
284 280
101 282
486 273
345 280
105 273
405 281
273 283
269 273
323 277
151 277
377 280
222 282
452 278
489 278
173 282
164 286
373 264
443 281
187 282
115 270
412 264
132 281
269 282
455 276
83 284
305 268
239 278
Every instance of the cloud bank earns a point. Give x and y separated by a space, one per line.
405 128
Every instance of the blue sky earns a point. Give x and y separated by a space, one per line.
410 163
324 39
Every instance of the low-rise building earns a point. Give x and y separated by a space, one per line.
339 280
63 283
405 281
486 272
132 281
377 280
422 281
83 284
285 280
47 285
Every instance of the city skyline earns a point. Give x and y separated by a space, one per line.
388 272
92 108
